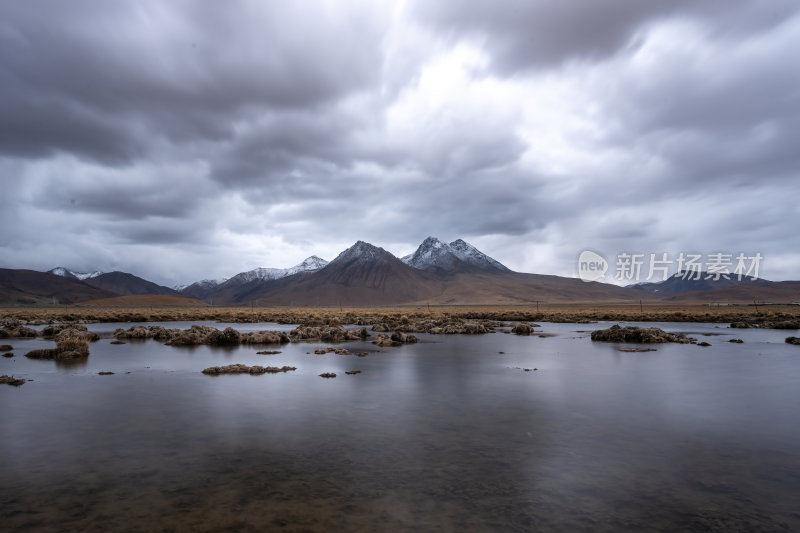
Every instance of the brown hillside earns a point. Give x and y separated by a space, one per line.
761 291
29 287
146 300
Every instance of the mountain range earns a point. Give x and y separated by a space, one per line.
438 273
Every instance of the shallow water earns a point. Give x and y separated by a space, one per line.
448 434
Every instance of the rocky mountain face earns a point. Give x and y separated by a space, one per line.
361 275
125 284
690 281
28 287
469 254
200 289
436 255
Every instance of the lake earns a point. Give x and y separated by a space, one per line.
445 435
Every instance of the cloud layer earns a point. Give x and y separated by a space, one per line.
184 140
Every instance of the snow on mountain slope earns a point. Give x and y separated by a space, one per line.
66 273
434 254
310 264
472 255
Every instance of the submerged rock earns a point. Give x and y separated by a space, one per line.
5 347
352 372
8 354
11 380
268 352
704 343
238 368
105 373
737 341
636 350
616 333
793 340
327 375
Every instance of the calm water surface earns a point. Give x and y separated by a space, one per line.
445 435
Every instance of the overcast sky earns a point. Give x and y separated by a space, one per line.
183 140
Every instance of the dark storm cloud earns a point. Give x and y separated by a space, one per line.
282 143
102 80
129 199
525 34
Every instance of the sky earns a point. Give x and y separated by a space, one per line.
183 140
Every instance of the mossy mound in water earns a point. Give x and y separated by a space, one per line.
69 331
16 331
396 339
72 348
11 380
521 328
616 333
197 335
337 351
65 350
239 368
328 333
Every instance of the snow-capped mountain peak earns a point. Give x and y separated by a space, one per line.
67 273
362 251
309 264
434 254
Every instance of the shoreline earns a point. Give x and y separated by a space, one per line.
573 313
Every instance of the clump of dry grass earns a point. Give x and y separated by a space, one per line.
238 368
72 348
616 333
42 353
